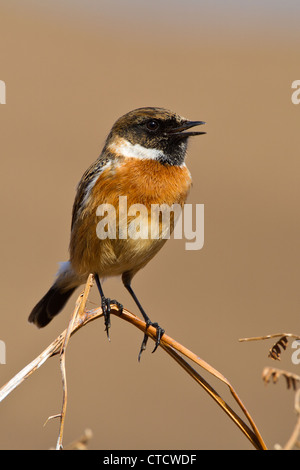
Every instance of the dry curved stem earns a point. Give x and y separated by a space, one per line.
295 437
273 335
80 304
294 440
253 435
81 317
276 350
271 373
292 380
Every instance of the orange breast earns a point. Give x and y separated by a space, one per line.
143 182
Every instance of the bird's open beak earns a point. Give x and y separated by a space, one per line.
187 125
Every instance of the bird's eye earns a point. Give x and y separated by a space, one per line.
152 125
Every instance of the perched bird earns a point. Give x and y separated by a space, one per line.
143 159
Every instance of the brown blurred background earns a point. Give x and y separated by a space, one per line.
71 69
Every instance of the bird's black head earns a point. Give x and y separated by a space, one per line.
153 133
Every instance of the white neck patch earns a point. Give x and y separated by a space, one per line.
126 149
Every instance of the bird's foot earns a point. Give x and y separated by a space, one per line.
106 309
159 334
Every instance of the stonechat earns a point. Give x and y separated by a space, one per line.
143 159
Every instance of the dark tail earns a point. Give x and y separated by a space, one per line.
49 306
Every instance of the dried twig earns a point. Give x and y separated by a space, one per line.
81 317
274 335
276 350
294 439
270 373
58 415
292 380
79 308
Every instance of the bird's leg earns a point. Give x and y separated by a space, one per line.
159 330
105 305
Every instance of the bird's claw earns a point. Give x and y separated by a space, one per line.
159 334
106 308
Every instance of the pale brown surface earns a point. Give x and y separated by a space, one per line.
66 84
